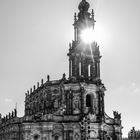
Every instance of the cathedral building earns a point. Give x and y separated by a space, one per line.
68 109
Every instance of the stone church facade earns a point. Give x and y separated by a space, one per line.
68 109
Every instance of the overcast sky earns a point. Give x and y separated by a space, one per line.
34 38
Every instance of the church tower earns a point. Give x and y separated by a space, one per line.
84 58
84 68
84 54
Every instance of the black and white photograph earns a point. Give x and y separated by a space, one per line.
69 69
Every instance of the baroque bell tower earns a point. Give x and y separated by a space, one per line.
84 57
84 71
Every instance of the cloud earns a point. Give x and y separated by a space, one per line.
133 84
137 90
128 89
8 100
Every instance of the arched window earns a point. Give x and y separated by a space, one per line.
36 137
56 137
88 101
108 138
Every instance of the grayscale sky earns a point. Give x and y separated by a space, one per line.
34 38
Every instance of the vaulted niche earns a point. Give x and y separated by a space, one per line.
88 100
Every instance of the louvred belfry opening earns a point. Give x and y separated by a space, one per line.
84 54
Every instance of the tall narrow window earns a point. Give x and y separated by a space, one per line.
89 72
79 68
88 101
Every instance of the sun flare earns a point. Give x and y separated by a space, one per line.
87 35
97 34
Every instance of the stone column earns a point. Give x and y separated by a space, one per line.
98 68
82 66
70 67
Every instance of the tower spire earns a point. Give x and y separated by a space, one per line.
84 5
83 9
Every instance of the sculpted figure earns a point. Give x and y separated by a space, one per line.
76 103
117 115
15 112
